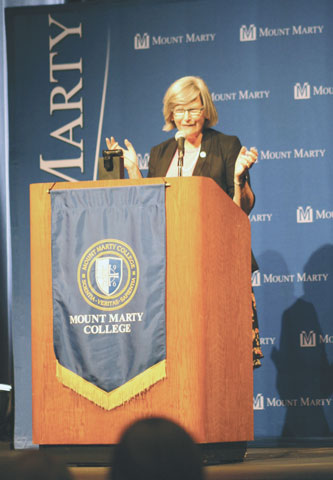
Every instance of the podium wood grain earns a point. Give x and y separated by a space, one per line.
208 388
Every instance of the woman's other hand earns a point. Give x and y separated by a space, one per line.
245 160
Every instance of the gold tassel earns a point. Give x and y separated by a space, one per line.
122 394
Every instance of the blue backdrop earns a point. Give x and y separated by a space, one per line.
79 74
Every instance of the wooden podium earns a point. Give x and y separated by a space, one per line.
209 384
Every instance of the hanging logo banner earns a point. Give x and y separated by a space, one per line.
108 283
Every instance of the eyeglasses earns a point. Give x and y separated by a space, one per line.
193 112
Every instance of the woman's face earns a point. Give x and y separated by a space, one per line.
190 118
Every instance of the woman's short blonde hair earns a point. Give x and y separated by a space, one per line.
183 91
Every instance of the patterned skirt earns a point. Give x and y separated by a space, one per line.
256 349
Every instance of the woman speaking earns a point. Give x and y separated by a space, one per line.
188 107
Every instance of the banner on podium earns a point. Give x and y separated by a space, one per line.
108 283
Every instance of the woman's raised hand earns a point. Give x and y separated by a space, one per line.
130 156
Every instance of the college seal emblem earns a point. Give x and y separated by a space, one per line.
108 274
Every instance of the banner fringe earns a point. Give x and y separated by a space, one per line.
122 394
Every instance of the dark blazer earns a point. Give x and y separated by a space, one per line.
217 158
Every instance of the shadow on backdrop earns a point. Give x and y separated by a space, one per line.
304 374
273 262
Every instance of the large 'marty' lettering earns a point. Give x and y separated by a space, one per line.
62 99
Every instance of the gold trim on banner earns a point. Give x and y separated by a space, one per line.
120 395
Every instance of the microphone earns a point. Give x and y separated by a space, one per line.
180 139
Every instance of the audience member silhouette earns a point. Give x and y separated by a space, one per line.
156 448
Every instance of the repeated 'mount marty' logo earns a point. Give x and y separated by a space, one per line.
307 339
248 34
256 279
304 215
108 274
141 42
302 92
258 402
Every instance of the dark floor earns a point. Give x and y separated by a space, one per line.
260 464
314 461
278 463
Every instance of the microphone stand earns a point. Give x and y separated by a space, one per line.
180 162
180 139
